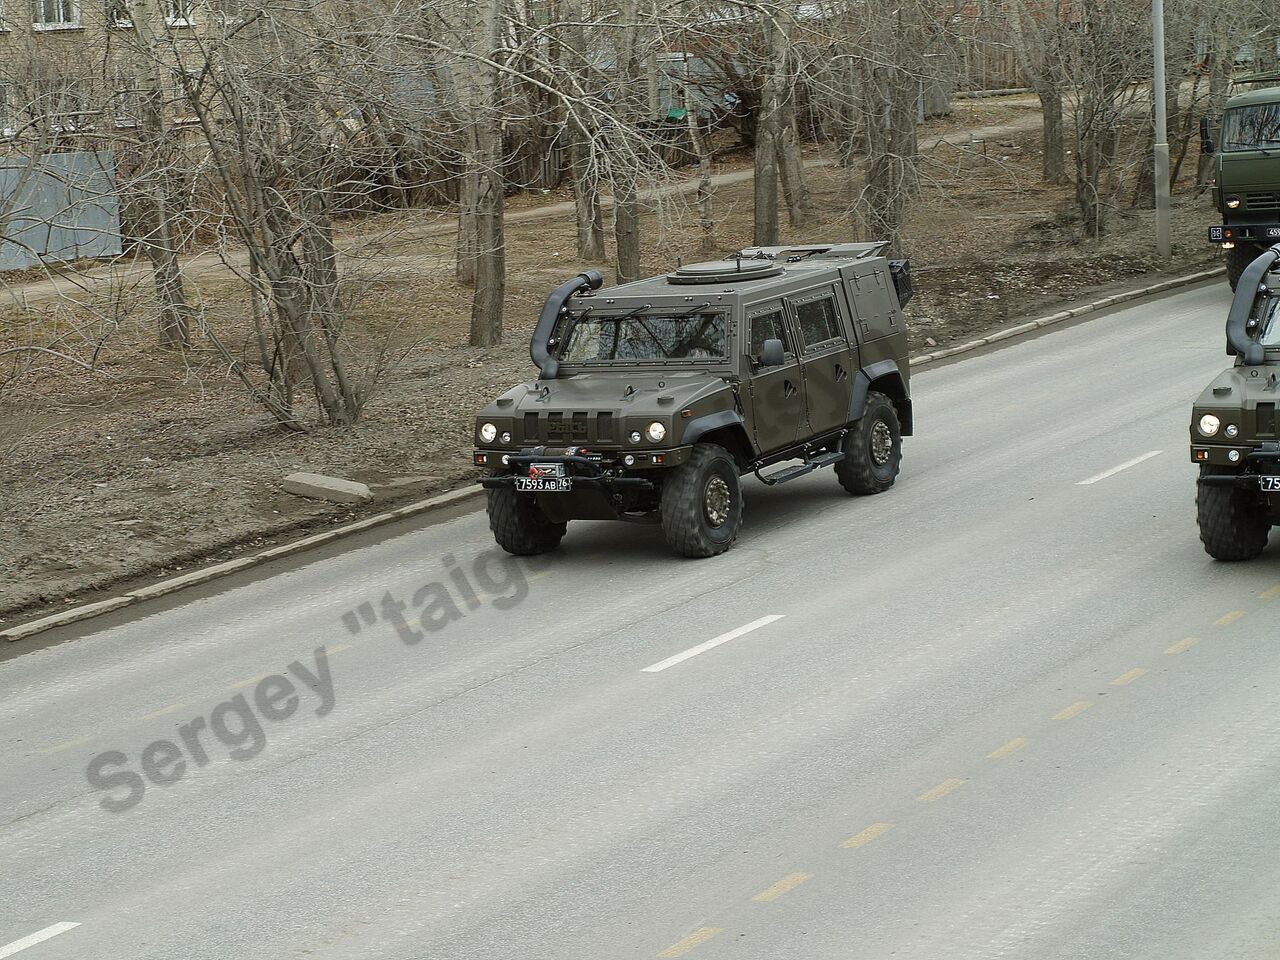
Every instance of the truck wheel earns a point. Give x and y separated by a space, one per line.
872 449
519 526
702 503
1234 524
1238 258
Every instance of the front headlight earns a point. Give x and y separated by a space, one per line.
1209 425
488 432
1233 203
656 432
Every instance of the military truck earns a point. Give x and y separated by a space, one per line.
1246 185
654 398
1235 436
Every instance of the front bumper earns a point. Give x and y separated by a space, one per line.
1260 233
606 471
1262 461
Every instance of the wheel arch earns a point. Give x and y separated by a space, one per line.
883 377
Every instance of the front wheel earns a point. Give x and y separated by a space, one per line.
1234 523
702 503
872 449
519 526
1238 258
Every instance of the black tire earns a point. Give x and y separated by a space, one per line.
519 526
1238 258
1234 524
868 467
701 503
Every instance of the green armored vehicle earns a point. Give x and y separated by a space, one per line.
1246 186
654 398
1235 436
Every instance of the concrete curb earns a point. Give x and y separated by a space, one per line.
1033 325
172 585
85 611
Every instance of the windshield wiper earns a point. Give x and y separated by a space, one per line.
691 311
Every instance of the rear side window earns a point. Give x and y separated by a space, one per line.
768 326
818 321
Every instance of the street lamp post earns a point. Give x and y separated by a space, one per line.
1162 131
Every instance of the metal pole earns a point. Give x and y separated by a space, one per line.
1162 131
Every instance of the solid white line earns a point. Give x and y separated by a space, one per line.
1124 466
712 644
40 936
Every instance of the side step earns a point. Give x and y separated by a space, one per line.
801 469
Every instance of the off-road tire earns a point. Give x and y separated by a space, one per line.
1234 524
1238 258
693 498
519 526
867 467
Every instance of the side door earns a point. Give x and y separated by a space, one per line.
826 359
777 399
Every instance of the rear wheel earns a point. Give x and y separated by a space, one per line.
1238 258
1234 523
702 503
519 525
872 449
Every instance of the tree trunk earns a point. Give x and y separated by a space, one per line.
626 213
468 245
161 246
626 227
769 138
706 191
583 165
490 277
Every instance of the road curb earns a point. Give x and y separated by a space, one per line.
1031 326
207 574
85 611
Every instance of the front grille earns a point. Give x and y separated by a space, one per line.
578 428
1262 201
1266 419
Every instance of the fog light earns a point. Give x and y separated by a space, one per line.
629 460
506 459
1234 456
1232 431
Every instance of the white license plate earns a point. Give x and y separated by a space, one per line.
544 484
1270 484
1272 233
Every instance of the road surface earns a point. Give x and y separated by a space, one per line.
1008 709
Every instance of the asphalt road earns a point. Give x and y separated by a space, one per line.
996 712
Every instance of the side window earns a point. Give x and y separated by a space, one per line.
818 321
768 326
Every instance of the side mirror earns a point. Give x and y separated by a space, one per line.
1207 146
773 354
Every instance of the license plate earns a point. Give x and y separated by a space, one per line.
1270 485
1215 234
544 484
1272 233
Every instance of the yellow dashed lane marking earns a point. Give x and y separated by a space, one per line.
781 887
867 835
1013 746
1127 678
940 791
1181 645
163 710
697 938
1079 707
69 745
1270 594
1229 619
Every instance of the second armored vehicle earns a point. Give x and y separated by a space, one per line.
1235 435
654 398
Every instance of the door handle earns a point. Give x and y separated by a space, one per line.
841 373
788 388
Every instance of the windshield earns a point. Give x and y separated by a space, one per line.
1270 316
646 336
1252 128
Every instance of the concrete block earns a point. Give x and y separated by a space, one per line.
317 487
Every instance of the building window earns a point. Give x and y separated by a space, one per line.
178 13
55 14
118 13
126 100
